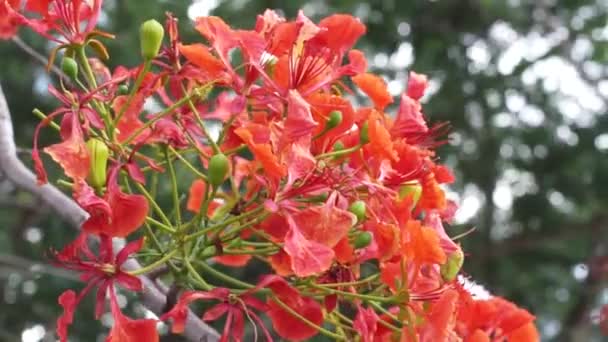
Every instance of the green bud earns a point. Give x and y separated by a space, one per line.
364 133
411 189
218 168
123 89
99 154
358 208
335 118
151 35
362 240
339 146
450 269
69 67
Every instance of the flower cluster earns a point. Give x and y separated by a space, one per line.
336 203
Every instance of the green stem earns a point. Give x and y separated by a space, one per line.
155 264
188 164
201 282
42 116
160 225
222 276
174 190
340 152
154 205
353 295
167 111
224 224
200 122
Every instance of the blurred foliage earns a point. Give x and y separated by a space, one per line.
524 84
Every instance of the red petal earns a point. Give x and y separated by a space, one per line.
381 143
409 119
416 85
10 19
325 224
68 301
307 257
100 213
196 195
199 55
233 260
292 328
299 122
128 250
422 244
215 312
366 323
341 31
72 154
375 87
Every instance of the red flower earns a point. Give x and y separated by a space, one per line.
64 18
117 214
10 19
126 329
285 323
375 87
494 317
232 306
308 257
101 271
366 324
72 153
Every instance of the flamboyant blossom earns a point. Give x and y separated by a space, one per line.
245 149
100 271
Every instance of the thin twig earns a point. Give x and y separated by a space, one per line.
40 58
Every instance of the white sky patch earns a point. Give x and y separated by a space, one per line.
33 334
202 8
470 203
601 142
403 57
502 196
477 291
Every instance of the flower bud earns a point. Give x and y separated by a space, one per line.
362 240
218 168
450 269
358 208
411 189
99 154
69 67
151 35
335 118
338 146
123 89
364 133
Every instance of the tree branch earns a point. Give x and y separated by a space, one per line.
16 172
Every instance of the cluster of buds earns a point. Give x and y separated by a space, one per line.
340 208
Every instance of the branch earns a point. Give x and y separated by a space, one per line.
14 170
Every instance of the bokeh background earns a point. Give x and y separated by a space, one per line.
524 84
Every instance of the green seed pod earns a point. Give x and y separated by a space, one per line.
123 89
99 154
364 133
218 168
339 146
411 189
69 67
335 118
450 269
362 240
151 35
358 208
